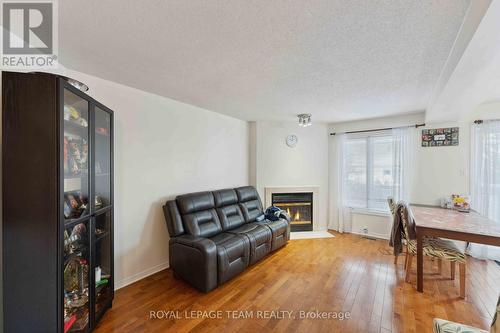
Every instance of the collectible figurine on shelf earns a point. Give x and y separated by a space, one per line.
75 157
98 202
67 210
66 151
75 205
102 130
72 114
78 156
85 155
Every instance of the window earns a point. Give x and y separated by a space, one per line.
368 165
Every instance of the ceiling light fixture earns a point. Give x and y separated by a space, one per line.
304 119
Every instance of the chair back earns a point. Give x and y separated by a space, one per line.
407 220
495 325
392 206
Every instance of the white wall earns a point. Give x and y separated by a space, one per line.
485 111
306 164
441 171
162 148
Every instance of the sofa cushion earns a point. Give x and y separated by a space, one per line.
233 252
251 210
280 232
203 223
250 203
225 197
247 193
259 237
230 217
195 202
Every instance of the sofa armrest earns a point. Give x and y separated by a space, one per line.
194 259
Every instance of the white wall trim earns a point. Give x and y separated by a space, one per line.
371 234
141 275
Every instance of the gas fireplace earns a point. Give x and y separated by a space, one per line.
300 208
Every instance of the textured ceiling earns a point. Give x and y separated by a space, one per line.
268 60
476 78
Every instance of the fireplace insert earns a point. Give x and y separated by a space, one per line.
300 208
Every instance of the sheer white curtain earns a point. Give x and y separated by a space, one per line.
370 167
485 179
343 210
403 149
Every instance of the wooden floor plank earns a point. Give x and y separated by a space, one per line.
345 273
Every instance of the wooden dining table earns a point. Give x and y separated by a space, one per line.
435 221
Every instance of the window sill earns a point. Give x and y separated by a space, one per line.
365 211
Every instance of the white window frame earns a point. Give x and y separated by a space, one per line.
369 170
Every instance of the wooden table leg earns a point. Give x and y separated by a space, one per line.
420 262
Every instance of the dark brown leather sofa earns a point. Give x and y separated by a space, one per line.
215 235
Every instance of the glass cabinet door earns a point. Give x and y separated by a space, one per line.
76 277
76 156
102 261
102 165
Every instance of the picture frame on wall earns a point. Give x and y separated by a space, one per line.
440 137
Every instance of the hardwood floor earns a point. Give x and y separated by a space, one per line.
346 273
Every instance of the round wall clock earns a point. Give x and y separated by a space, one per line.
291 140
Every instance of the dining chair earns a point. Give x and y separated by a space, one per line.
445 326
438 248
392 208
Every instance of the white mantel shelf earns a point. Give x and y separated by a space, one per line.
269 190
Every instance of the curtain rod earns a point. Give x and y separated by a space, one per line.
379 129
480 121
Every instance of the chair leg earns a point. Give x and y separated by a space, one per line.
440 266
406 259
396 259
452 263
408 267
461 266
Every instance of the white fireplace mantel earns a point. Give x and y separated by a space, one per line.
269 190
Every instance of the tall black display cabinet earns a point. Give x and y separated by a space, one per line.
57 165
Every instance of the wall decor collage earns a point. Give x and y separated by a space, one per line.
440 137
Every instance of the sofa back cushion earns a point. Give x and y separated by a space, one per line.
225 197
198 214
194 202
228 209
204 223
249 202
230 217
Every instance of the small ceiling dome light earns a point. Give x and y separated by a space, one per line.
77 84
304 119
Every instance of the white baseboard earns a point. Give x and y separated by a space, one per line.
371 235
141 275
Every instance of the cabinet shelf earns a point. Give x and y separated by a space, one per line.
72 128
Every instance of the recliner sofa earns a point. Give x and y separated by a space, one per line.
215 235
